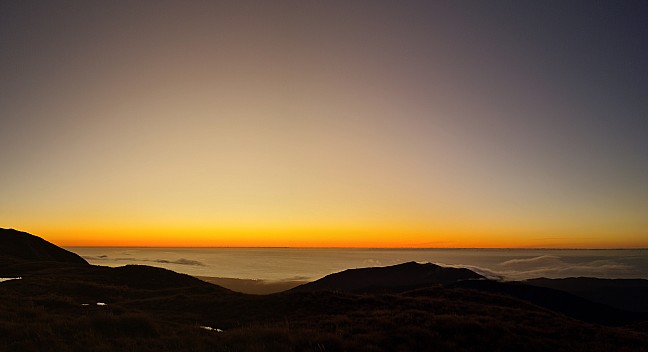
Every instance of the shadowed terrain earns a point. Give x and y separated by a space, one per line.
69 306
257 287
393 278
558 301
23 246
628 294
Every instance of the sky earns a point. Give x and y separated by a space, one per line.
325 123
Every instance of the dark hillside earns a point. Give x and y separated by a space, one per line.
395 278
627 294
145 277
558 301
21 245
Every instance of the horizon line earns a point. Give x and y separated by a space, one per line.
394 248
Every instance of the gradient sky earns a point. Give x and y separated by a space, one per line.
325 123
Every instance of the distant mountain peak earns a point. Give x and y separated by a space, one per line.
24 246
392 278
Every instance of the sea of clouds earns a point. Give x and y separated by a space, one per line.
309 264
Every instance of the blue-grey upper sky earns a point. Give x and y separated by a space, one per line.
351 123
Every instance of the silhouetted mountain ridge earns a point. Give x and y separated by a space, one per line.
405 277
148 277
24 246
395 278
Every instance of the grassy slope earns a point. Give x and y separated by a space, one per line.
152 309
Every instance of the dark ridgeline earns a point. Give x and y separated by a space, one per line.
24 246
31 257
405 307
559 301
395 278
410 276
149 278
628 294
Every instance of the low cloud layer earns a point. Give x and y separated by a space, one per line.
181 261
296 265
552 267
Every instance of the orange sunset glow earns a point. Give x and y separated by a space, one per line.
279 124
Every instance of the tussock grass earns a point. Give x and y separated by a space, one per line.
44 312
